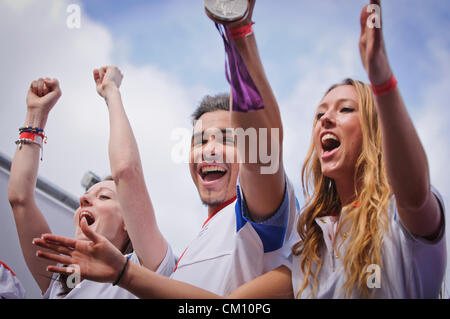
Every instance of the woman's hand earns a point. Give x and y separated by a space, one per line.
43 95
371 45
97 259
107 79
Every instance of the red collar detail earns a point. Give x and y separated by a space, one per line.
6 266
219 208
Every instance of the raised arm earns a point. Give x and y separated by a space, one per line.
30 222
263 180
100 261
405 158
126 170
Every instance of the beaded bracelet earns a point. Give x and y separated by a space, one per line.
30 135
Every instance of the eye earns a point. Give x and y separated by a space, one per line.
347 109
319 115
104 197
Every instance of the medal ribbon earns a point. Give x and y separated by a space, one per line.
246 96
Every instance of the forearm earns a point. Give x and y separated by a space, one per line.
269 117
405 158
407 168
128 175
123 150
146 284
263 180
25 165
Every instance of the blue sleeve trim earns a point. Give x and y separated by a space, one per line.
273 230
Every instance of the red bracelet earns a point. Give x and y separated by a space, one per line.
34 137
385 88
242 32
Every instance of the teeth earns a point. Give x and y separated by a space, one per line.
329 136
86 214
208 169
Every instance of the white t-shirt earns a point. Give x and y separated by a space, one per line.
412 266
10 286
231 249
94 290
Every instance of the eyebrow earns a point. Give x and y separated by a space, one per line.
100 189
225 132
340 101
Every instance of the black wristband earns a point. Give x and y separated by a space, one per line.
122 272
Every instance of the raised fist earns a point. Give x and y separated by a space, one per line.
107 78
43 94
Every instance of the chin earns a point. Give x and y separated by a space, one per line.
213 199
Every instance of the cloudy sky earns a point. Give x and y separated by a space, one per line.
171 56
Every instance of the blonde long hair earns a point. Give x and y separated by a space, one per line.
367 220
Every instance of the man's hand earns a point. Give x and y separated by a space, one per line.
107 79
43 95
371 44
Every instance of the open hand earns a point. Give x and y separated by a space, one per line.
98 259
371 44
107 78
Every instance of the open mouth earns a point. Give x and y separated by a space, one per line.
330 142
210 173
90 219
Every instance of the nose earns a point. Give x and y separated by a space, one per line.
328 119
85 200
212 150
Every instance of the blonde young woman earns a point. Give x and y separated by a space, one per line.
372 227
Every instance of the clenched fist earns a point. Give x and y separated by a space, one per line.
106 79
43 95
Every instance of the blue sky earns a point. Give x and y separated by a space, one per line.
156 33
171 56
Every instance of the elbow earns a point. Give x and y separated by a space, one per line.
416 199
126 171
17 199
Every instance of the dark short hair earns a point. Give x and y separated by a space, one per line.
219 102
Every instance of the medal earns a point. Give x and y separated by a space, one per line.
226 10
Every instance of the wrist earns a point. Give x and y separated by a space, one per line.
120 276
386 87
110 89
36 118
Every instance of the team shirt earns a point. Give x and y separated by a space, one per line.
94 290
413 267
10 286
231 249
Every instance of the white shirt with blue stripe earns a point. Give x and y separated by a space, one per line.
231 249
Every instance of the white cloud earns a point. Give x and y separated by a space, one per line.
38 44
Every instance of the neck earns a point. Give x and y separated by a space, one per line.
346 190
213 209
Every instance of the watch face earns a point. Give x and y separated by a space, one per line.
226 10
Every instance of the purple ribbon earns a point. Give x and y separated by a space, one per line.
246 96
